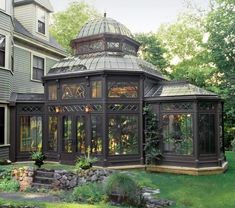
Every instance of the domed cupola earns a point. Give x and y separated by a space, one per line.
104 35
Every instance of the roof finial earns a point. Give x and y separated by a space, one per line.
105 14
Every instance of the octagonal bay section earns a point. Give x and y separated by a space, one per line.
191 124
101 112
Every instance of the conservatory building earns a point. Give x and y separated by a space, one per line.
94 101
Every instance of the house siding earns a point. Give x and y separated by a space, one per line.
22 71
26 15
49 63
4 153
5 84
5 22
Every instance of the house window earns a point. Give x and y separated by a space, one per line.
38 68
41 21
2 126
123 135
96 91
2 50
177 130
30 133
3 4
52 92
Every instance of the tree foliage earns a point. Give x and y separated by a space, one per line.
199 47
221 26
67 24
152 136
151 50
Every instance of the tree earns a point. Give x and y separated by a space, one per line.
151 50
221 27
186 51
67 24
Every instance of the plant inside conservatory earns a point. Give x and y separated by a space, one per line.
152 148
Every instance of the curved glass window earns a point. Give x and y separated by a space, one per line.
177 130
73 91
123 135
122 89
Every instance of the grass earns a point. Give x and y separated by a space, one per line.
215 191
47 165
52 205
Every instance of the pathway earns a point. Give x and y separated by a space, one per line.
29 197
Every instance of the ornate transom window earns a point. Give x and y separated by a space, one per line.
122 89
206 106
91 47
123 108
113 45
73 91
177 106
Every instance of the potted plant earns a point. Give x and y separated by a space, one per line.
85 162
39 158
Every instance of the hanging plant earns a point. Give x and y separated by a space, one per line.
152 137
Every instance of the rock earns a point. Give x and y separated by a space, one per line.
94 178
57 176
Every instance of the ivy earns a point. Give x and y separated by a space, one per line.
152 137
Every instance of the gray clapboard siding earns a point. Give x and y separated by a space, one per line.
5 22
26 15
5 84
22 82
49 63
4 153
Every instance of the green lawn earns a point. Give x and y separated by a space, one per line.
216 191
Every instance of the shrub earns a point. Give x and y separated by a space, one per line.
123 189
9 185
5 173
233 144
88 193
85 162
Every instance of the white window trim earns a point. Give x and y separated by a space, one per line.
46 25
6 124
7 50
4 9
44 66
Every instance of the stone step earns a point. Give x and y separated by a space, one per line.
43 173
39 185
43 180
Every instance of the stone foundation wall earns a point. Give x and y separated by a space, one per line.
24 176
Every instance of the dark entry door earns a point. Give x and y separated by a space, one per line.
2 126
73 137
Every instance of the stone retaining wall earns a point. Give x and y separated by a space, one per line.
24 176
62 179
67 180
